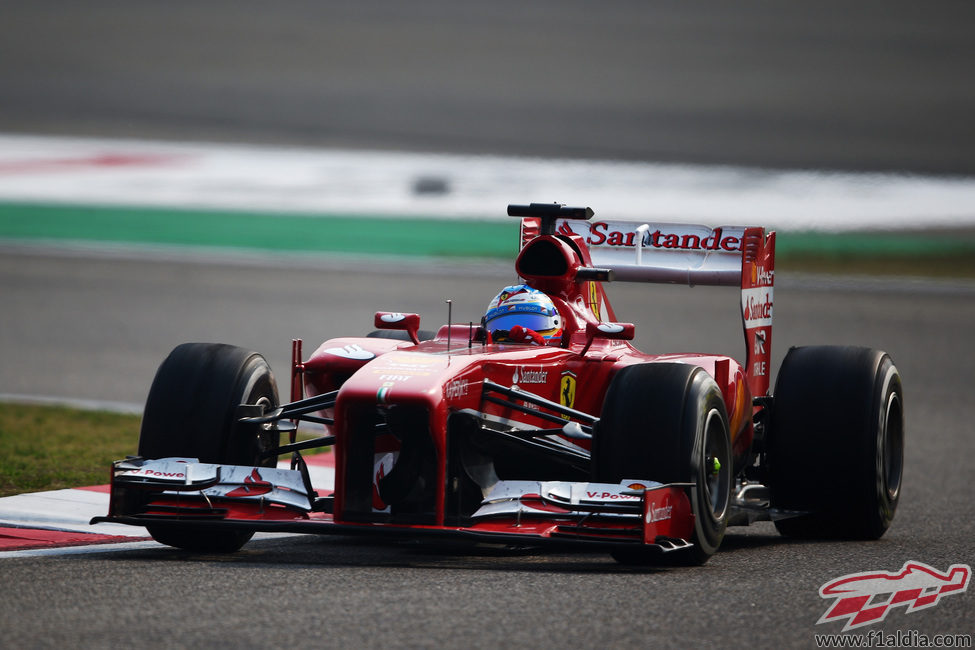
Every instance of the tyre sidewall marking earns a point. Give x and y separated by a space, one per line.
886 503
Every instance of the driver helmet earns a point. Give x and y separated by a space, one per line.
522 305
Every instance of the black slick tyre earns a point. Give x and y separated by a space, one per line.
836 442
667 422
191 412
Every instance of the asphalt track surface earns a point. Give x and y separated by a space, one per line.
97 328
861 85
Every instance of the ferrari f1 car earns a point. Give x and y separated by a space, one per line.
540 426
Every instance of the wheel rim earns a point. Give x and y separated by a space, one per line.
716 466
893 446
266 436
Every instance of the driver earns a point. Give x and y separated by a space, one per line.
522 315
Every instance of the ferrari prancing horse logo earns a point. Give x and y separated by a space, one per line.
567 391
594 300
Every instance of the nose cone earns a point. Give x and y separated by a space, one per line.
399 377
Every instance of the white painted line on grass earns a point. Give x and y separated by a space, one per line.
73 402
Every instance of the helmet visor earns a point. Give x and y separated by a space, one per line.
538 322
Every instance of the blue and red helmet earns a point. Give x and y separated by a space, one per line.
521 305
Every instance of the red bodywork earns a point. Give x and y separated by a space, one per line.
431 385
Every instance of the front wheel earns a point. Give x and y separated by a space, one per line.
667 422
191 412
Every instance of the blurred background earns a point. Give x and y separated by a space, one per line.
871 85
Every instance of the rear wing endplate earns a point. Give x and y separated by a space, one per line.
692 254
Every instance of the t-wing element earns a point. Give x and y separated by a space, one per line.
592 274
409 323
549 213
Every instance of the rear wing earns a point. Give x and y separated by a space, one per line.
741 256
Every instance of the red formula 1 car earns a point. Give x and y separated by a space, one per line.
542 426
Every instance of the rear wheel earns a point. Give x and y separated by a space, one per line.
836 442
191 412
668 423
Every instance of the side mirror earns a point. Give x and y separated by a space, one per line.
409 323
612 331
609 331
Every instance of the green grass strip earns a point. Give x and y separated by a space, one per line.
56 447
48 448
924 253
260 231
920 244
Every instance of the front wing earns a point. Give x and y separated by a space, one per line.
570 515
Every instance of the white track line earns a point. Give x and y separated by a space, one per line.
79 550
67 510
369 183
73 402
109 548
72 509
